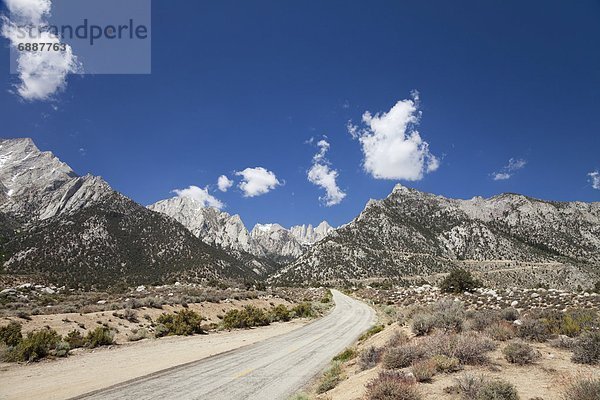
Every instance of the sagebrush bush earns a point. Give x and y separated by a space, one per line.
130 315
138 334
449 315
398 338
423 324
445 364
423 370
501 331
520 353
510 314
583 388
586 349
35 346
497 390
391 385
247 317
369 358
468 348
11 334
473 387
402 356
101 336
303 310
184 322
330 378
280 313
75 339
62 349
533 329
482 319
459 281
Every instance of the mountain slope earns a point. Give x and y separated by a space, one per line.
411 233
79 231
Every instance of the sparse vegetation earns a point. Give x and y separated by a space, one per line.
586 349
75 339
247 317
583 388
369 357
402 356
346 355
424 370
184 322
101 336
520 353
392 385
372 331
330 378
35 346
11 334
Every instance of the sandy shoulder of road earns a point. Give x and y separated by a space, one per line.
104 367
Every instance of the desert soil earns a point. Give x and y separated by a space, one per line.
546 378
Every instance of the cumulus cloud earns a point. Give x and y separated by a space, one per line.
41 73
224 183
391 145
509 170
257 181
201 196
322 175
595 179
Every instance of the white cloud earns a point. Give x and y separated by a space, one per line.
257 181
392 147
595 179
201 196
41 73
321 174
224 183
509 170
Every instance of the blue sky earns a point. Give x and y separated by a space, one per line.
244 84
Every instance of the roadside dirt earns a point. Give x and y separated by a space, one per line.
95 369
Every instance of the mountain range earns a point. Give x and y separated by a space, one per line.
57 225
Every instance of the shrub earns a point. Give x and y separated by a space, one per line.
372 331
74 339
563 342
330 378
138 334
345 355
402 356
35 346
482 319
62 349
423 324
247 317
160 330
391 385
468 348
584 388
449 315
520 353
501 331
303 310
424 370
469 386
280 313
497 390
586 349
185 322
533 329
11 334
459 281
445 364
369 358
510 314
130 315
398 338
101 336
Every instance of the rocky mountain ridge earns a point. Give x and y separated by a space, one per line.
411 233
78 230
218 228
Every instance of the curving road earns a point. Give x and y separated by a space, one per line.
273 369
